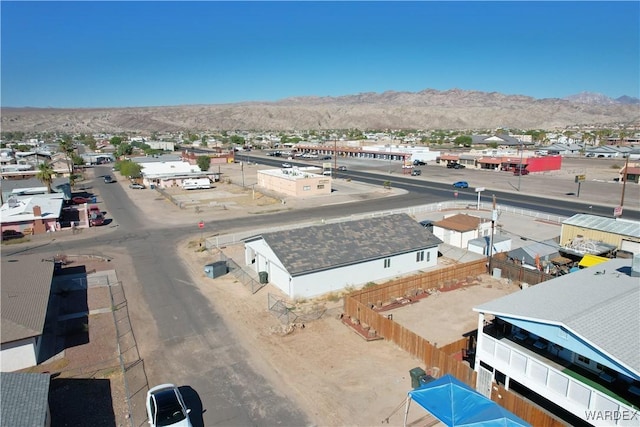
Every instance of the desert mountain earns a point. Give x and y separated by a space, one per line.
428 109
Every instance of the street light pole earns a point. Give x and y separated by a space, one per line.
520 165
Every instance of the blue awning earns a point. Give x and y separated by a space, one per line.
456 404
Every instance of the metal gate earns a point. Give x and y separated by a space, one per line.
483 385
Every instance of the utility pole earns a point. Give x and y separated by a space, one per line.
520 165
494 217
335 155
624 183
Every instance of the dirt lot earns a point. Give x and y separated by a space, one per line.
338 377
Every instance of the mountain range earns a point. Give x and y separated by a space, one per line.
427 109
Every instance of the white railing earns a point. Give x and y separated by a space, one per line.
571 394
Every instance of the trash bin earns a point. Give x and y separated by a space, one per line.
152 186
216 269
264 277
94 200
416 374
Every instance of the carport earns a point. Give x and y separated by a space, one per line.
456 404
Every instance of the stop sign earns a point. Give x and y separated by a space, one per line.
201 224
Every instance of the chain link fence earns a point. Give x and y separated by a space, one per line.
131 364
288 313
245 277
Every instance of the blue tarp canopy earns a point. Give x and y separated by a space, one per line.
456 404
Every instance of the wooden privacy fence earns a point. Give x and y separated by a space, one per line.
455 347
359 308
409 341
520 407
518 273
442 279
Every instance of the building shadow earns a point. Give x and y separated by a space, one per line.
67 318
81 402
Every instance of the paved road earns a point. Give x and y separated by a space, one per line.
182 338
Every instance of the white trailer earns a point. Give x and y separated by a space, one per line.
195 184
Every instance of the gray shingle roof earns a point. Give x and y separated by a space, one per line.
24 399
548 248
24 296
599 304
622 227
304 250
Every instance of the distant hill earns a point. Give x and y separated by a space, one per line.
427 109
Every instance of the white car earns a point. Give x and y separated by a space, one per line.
286 165
165 407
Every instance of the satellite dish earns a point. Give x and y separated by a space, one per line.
12 202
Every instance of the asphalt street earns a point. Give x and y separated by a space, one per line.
181 337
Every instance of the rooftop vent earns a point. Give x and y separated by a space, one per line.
12 202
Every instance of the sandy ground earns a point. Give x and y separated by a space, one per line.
336 376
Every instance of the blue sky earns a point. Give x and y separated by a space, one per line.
120 54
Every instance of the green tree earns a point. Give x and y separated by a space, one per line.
46 174
66 146
77 160
238 140
115 140
203 162
90 141
463 140
203 141
129 169
124 149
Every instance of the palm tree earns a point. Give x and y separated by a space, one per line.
46 174
66 146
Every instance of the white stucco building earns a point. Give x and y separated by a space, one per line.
295 182
312 261
459 229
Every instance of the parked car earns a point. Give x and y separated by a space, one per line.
136 186
95 216
455 166
11 234
108 179
419 163
342 168
416 172
461 184
78 200
286 165
428 224
165 407
521 171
